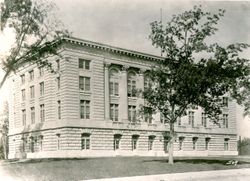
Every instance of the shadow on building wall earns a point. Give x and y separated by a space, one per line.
30 141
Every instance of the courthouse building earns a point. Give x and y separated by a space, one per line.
88 108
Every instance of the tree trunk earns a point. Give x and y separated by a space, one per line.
5 147
4 79
171 144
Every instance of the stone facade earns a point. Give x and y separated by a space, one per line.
89 108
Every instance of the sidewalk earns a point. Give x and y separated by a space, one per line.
227 175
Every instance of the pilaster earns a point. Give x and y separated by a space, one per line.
106 90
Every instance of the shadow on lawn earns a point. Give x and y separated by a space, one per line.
196 161
45 160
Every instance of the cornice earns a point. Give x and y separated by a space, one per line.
113 49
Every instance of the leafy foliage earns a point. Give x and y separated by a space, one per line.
193 72
244 146
4 130
37 33
182 79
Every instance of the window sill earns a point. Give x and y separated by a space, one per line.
85 92
152 124
83 69
134 123
114 96
117 122
114 99
32 101
181 126
133 98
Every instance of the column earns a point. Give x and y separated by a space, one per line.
106 90
140 86
123 92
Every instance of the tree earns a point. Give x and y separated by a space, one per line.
36 31
4 129
193 72
244 146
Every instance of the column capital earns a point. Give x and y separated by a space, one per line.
106 64
125 68
142 71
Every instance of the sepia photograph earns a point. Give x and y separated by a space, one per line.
124 90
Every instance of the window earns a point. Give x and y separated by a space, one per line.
134 141
131 84
24 143
179 121
84 109
195 139
41 88
181 139
32 92
24 117
225 120
59 109
207 140
84 64
132 113
151 142
114 112
84 83
42 113
163 119
166 144
204 119
113 82
23 79
58 80
58 65
41 71
32 113
58 141
225 101
32 144
191 118
31 75
226 140
41 142
23 95
114 88
148 115
85 141
117 139
146 82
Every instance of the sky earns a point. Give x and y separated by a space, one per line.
126 24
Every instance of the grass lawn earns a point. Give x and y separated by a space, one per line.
91 168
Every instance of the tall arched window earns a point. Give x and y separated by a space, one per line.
114 82
146 81
131 84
